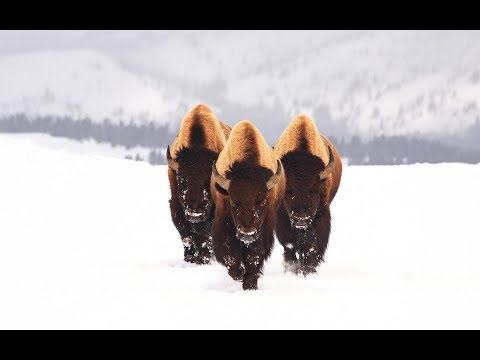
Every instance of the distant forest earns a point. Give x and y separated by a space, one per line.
378 151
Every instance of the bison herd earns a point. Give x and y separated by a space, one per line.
231 192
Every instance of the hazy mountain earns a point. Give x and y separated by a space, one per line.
79 83
365 83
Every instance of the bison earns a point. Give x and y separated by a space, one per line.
313 170
247 185
199 141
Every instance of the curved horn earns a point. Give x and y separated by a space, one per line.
171 162
219 179
275 178
328 169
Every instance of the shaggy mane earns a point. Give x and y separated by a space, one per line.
200 128
302 164
246 171
246 145
194 157
302 135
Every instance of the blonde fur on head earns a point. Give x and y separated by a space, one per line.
302 133
246 143
215 132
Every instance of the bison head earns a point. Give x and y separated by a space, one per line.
192 173
305 192
248 188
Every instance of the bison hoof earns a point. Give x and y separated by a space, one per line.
236 273
250 284
202 260
198 259
309 270
189 258
290 266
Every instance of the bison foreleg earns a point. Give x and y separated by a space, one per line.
253 262
287 237
202 249
188 249
184 229
313 252
226 247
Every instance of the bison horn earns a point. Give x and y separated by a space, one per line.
219 179
171 162
331 163
275 178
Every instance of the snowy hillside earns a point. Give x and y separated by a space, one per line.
367 83
85 147
87 242
80 84
356 82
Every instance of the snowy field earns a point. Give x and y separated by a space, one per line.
84 147
86 242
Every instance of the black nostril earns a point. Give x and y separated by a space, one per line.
193 212
247 235
248 232
195 216
301 221
300 217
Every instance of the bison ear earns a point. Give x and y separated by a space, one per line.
221 190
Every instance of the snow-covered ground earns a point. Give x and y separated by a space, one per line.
87 242
84 147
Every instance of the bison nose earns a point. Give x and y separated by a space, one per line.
194 215
301 221
247 235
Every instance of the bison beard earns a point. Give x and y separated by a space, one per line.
244 262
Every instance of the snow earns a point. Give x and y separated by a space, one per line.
414 82
86 241
79 83
352 73
85 147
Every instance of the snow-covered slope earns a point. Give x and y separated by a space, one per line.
79 83
87 242
361 82
84 147
353 82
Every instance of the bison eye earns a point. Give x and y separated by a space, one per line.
205 194
180 179
262 203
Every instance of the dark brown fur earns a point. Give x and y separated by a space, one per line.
308 196
190 189
247 204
